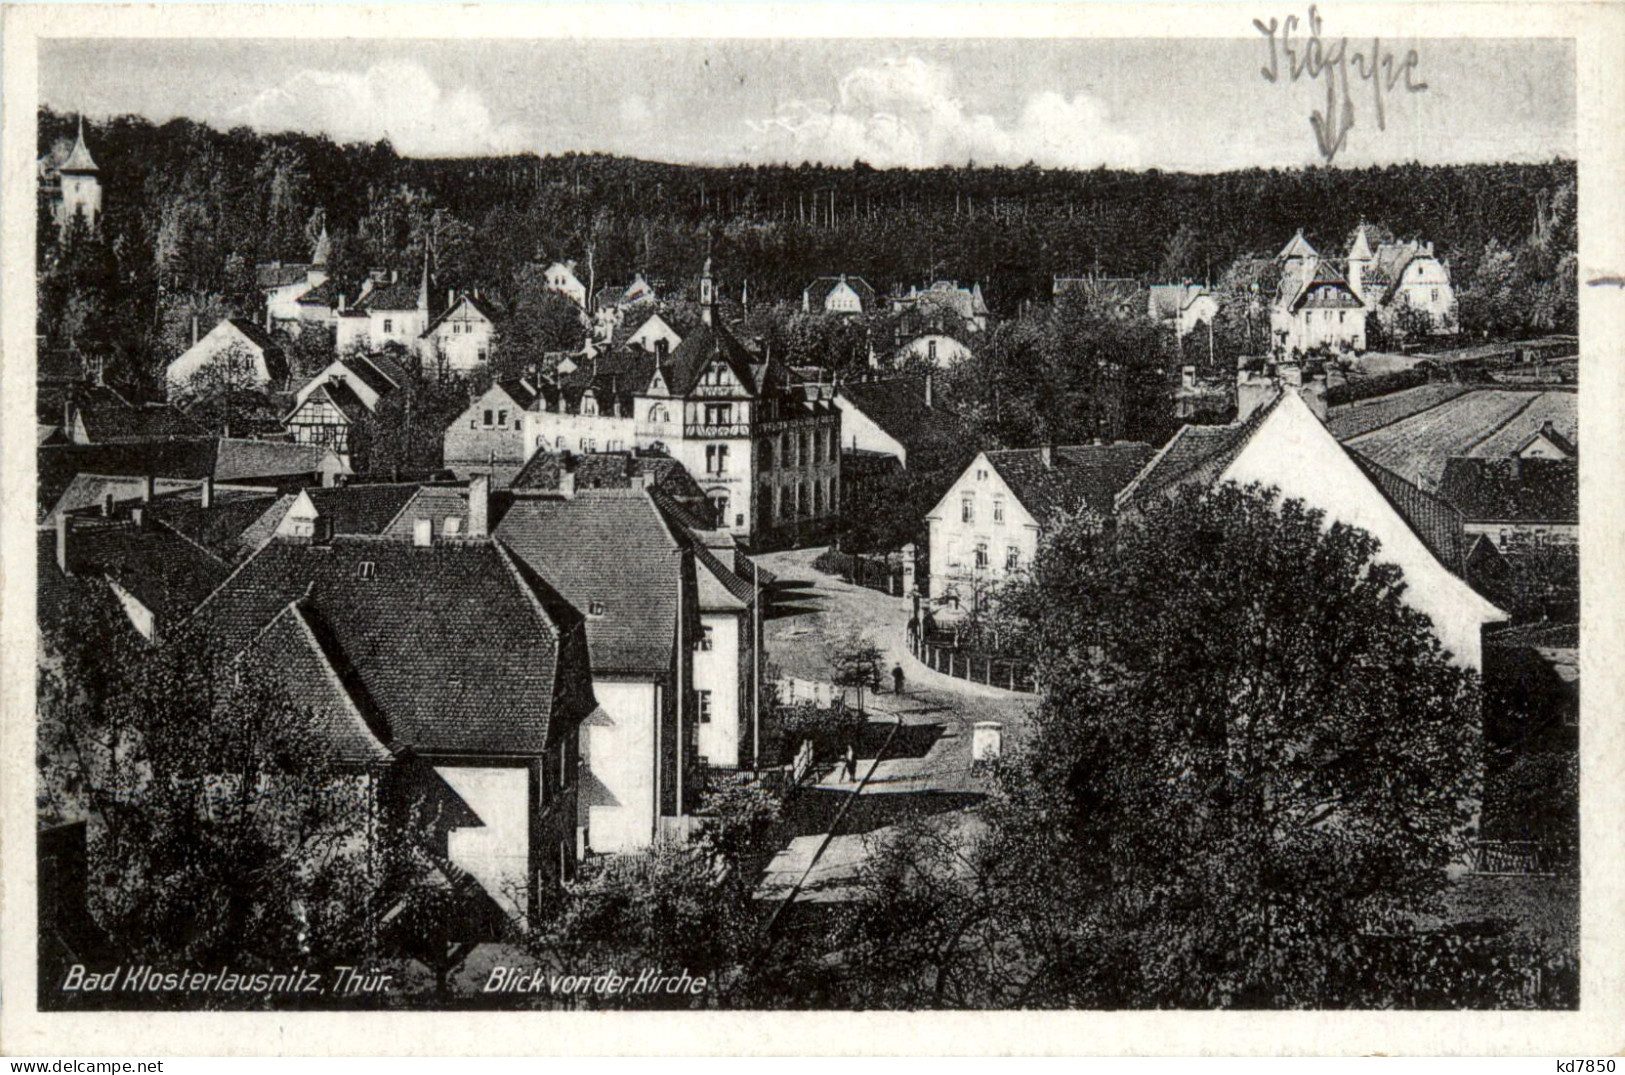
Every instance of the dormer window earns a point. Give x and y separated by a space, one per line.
595 609
366 570
452 526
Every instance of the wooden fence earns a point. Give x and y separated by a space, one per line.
1006 673
1524 857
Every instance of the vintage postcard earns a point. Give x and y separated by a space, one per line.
616 528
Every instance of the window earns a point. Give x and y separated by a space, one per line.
490 418
502 418
589 406
718 414
981 475
716 459
806 449
483 352
558 444
366 569
931 350
595 608
967 510
981 556
739 519
702 701
1012 559
801 498
719 505
818 498
389 325
706 640
953 554
764 455
1435 294
452 526
998 511
657 415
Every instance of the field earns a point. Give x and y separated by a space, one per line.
1368 414
1562 409
1416 447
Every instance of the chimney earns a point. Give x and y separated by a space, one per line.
109 506
138 516
567 478
648 477
1187 378
64 526
148 489
194 330
1046 455
928 402
422 532
479 505
206 492
1291 374
1547 429
341 302
67 415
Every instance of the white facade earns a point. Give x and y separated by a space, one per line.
461 340
496 853
937 348
618 751
716 687
1292 451
860 433
222 341
337 370
980 534
556 431
561 277
651 332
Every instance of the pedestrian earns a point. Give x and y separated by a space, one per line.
851 764
897 678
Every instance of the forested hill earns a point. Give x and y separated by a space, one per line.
190 209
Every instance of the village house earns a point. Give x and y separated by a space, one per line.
70 182
297 294
98 414
496 715
962 307
612 306
986 528
459 341
886 415
329 405
653 335
242 355
1398 278
838 295
1315 307
561 276
1280 441
399 312
489 437
1517 502
765 447
1181 307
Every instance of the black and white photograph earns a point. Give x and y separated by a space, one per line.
813 523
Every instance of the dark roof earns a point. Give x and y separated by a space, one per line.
218 527
608 470
1167 301
167 573
707 342
485 310
386 365
818 291
521 391
610 547
280 274
1084 476
1513 490
417 632
276 362
1431 518
324 294
897 405
1537 636
290 643
1549 432
401 295
109 418
1194 454
348 509
339 395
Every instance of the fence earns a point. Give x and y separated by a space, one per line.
1524 857
882 573
1007 673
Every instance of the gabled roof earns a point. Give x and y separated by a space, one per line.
256 335
416 630
1431 518
348 509
400 295
108 417
479 306
1549 433
387 366
218 527
1167 301
1360 249
341 396
1317 283
897 405
1297 247
324 294
1081 477
167 573
707 342
818 291
608 549
1194 454
365 371
241 460
312 677
520 390
1513 490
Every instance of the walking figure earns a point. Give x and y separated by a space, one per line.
850 764
897 678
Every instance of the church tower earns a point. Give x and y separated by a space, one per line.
81 183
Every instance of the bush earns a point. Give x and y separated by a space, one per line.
829 729
1381 385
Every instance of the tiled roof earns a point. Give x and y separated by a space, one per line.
190 459
459 648
1513 490
279 274
696 352
1085 476
290 644
109 418
340 395
1194 454
1297 247
401 295
276 362
218 527
348 509
480 306
897 405
387 366
1167 301
1431 518
605 548
240 459
324 294
167 573
521 391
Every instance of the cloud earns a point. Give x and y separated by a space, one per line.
904 112
396 98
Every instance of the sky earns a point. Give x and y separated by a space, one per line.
1174 104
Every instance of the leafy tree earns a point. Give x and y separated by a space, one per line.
404 435
1251 752
224 393
855 661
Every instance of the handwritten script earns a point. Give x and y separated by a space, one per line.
1315 58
